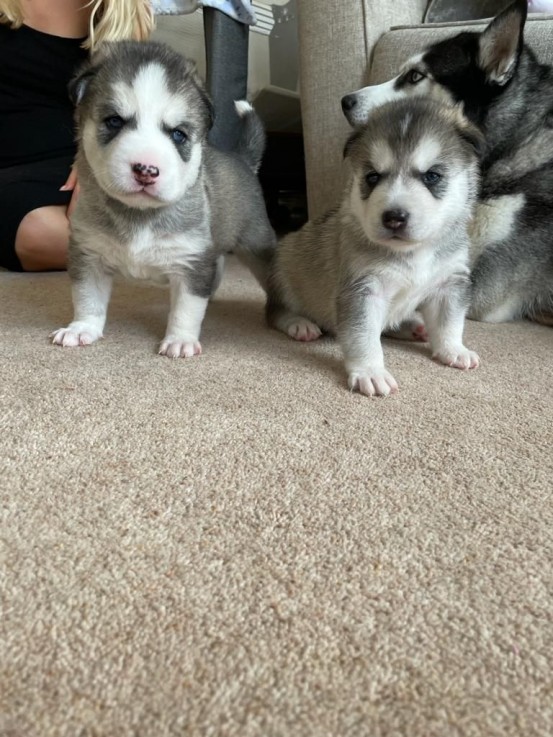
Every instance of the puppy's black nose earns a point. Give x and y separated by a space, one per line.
349 102
395 219
145 173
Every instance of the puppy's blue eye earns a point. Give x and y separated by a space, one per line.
431 177
178 136
372 178
114 122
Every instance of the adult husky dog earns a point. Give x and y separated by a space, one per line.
509 94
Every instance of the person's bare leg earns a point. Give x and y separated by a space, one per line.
42 238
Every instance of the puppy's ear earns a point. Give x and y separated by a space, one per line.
79 84
209 109
105 49
500 44
352 140
474 137
468 131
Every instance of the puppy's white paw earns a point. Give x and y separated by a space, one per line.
173 347
303 329
458 357
373 382
75 334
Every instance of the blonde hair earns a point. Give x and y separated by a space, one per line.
110 20
115 20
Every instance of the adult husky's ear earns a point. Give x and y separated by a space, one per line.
501 43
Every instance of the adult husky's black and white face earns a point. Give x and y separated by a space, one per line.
143 116
472 68
415 172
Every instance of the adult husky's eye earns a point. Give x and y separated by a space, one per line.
431 177
414 76
114 122
372 178
178 136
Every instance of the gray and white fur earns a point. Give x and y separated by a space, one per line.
398 242
506 91
157 203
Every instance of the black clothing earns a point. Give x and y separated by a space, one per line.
23 189
37 143
36 115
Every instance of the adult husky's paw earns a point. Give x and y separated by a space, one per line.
76 334
373 382
173 347
460 358
304 330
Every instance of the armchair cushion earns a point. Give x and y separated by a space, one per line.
401 42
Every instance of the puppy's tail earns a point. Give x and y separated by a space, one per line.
251 143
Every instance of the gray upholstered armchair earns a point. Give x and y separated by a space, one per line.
358 42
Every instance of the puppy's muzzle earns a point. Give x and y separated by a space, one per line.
395 220
145 173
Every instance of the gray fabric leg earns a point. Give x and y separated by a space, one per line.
226 46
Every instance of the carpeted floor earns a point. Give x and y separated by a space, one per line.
236 546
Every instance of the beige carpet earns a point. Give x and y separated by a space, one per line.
236 546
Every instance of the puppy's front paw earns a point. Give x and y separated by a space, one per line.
303 329
75 334
375 382
179 348
457 357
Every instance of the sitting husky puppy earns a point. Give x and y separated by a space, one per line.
505 90
397 242
156 202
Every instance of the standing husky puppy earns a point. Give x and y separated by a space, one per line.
157 203
505 90
397 242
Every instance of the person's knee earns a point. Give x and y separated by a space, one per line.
42 238
38 229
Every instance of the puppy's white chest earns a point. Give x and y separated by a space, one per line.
405 300
408 289
151 256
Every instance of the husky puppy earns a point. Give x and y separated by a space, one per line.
156 202
505 90
397 242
